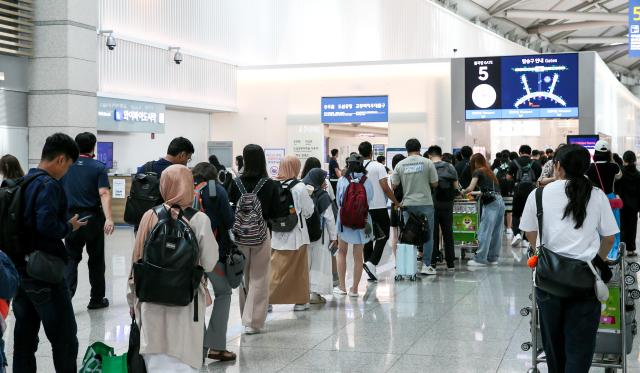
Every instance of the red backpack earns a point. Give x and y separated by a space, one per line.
355 205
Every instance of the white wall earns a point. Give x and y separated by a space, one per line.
269 99
617 111
131 150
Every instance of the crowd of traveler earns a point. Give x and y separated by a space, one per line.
293 233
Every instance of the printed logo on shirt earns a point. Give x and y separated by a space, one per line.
414 168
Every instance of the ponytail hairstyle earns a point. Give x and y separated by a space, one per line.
575 161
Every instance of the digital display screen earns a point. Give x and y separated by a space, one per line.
519 87
358 109
104 153
588 141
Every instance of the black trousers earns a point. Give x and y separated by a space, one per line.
629 227
568 327
520 195
91 236
373 249
38 303
443 218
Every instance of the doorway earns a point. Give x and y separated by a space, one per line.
347 137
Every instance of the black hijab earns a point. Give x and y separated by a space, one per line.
316 178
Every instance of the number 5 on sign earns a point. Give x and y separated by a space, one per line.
636 13
484 75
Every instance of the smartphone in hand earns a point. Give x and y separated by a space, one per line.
85 218
333 248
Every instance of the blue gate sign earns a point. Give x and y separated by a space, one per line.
634 28
359 109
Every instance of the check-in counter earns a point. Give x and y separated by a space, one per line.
118 196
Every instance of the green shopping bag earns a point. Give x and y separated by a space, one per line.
101 358
115 364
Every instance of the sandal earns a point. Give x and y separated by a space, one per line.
221 355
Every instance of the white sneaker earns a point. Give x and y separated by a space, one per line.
429 271
509 232
473 263
338 291
493 263
516 240
301 307
370 268
249 330
451 269
352 294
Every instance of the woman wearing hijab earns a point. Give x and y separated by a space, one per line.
320 274
170 341
289 281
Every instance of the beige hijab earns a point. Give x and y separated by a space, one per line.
176 188
289 168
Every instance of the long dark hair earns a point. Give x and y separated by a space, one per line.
255 163
575 161
10 167
310 164
479 163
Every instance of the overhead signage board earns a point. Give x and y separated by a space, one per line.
130 116
520 87
355 109
634 28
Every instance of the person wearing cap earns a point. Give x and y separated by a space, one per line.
354 173
603 173
418 177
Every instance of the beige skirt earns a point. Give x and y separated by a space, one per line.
289 280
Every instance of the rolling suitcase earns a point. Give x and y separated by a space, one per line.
406 264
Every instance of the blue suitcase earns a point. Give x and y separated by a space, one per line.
406 263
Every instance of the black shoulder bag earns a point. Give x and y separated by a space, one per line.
557 274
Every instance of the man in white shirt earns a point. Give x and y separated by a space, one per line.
377 174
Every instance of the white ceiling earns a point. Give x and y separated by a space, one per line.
604 20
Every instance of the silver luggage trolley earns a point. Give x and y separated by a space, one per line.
618 326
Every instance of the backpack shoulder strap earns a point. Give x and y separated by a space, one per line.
363 179
515 161
260 185
161 212
240 185
189 213
540 211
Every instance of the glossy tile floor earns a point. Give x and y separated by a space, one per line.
467 321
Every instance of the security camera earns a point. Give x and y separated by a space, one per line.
177 58
111 42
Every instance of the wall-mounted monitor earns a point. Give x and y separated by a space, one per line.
104 153
588 141
354 109
521 87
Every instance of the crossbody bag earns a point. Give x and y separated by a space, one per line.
559 275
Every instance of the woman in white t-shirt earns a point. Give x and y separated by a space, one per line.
577 223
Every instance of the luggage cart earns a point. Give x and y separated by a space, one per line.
617 328
466 222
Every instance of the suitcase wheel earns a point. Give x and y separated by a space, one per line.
634 294
525 311
413 278
634 267
525 346
398 278
629 279
533 370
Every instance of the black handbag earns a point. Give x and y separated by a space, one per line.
489 196
234 264
135 362
45 267
415 231
557 274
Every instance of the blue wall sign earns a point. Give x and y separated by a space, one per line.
360 109
634 28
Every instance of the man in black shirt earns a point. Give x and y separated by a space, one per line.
524 171
88 193
179 152
462 167
334 169
444 195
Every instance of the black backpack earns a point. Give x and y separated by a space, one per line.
11 216
168 272
314 226
525 174
287 217
445 190
144 194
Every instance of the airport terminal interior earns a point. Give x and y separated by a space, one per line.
137 90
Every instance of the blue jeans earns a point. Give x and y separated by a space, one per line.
490 233
568 327
50 305
427 211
